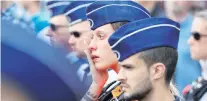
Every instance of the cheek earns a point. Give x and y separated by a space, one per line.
56 34
86 40
102 47
108 53
56 37
79 43
111 59
105 44
107 58
194 48
80 46
132 78
203 47
64 38
137 78
198 48
83 42
58 31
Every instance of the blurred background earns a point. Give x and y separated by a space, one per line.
32 69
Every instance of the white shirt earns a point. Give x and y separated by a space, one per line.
112 77
204 68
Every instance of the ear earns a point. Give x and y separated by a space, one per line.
157 71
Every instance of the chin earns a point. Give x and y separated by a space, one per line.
195 57
80 55
101 66
127 96
76 53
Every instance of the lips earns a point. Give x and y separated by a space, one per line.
73 48
94 58
124 86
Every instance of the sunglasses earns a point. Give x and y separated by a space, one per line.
76 34
55 27
197 35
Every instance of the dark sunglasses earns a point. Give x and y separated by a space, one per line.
54 27
197 35
76 34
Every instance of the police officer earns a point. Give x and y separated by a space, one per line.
105 17
197 42
147 66
80 34
125 12
58 31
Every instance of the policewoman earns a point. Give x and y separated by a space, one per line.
105 17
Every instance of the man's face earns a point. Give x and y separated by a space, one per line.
177 7
80 37
135 78
101 53
198 47
148 4
60 35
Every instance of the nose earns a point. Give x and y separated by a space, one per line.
190 40
49 33
71 40
92 46
121 77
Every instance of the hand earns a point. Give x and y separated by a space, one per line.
99 76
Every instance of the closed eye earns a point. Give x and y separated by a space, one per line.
101 35
128 67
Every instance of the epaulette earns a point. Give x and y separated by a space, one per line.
112 92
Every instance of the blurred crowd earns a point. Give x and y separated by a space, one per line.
57 66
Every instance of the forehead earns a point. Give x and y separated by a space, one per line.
107 28
81 26
176 2
59 20
132 60
199 25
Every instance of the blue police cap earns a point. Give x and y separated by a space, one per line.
57 7
76 11
103 12
145 34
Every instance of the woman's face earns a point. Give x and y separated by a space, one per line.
101 52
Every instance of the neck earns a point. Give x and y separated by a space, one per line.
117 68
204 69
159 93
